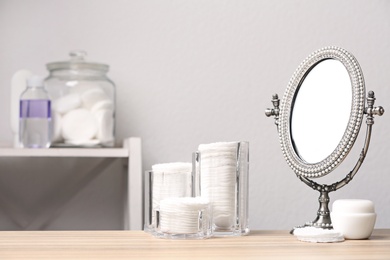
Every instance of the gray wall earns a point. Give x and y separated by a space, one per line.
191 72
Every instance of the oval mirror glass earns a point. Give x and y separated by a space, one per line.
321 110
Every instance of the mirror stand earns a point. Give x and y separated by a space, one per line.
323 219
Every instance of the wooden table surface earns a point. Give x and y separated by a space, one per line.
139 245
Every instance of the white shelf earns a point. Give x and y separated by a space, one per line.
65 152
131 151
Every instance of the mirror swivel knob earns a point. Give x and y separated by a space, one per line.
370 110
274 111
378 111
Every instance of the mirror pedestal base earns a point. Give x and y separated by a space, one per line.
323 214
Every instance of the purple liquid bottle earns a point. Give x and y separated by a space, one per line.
35 115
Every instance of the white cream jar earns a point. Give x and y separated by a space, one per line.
354 218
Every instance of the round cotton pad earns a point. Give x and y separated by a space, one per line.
67 103
79 125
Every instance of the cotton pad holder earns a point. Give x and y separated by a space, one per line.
168 180
184 218
221 176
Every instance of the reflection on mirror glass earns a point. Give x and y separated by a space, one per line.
321 111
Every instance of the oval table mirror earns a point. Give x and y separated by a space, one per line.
319 119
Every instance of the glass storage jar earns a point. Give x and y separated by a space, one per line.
83 102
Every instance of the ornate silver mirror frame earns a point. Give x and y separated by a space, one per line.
283 113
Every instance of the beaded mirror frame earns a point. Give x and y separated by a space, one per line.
328 164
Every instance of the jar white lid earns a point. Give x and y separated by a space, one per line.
353 206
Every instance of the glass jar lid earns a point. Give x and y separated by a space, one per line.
76 62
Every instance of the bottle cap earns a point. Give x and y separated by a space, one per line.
35 81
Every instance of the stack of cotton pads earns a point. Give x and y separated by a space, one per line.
85 116
170 180
187 215
318 235
218 169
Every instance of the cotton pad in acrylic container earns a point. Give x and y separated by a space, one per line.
221 176
165 180
184 218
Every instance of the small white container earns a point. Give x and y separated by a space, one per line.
354 218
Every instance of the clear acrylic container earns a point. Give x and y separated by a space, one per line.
169 210
174 181
221 176
184 218
83 102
